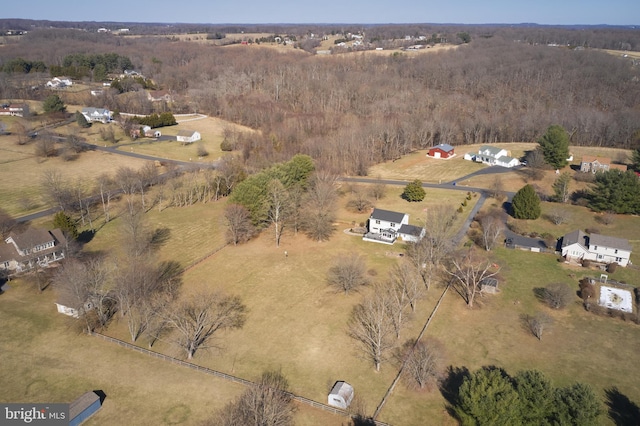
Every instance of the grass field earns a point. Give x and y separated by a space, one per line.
212 131
297 324
21 173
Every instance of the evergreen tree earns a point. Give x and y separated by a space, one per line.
536 397
616 191
414 191
81 120
555 146
635 160
576 405
53 103
526 203
487 397
66 224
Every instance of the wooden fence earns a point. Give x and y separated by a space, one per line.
221 375
395 381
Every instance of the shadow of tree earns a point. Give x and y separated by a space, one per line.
86 236
450 386
540 294
160 237
622 410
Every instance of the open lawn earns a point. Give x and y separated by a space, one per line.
45 359
418 166
212 131
296 322
21 173
579 346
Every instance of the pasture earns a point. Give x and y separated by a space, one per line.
297 324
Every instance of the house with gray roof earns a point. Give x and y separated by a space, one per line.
21 251
91 114
386 226
578 246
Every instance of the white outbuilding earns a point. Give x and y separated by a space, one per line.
341 395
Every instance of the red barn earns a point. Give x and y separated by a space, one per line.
444 150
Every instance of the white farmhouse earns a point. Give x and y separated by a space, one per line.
96 114
577 246
493 156
188 136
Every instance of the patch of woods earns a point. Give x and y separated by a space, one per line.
346 117
491 396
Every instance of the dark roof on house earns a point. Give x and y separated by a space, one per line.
31 238
187 133
7 253
576 236
611 242
410 230
443 146
387 215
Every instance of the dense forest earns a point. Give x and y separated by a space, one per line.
349 111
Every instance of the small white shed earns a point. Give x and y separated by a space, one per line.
341 395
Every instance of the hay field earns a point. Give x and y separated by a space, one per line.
211 129
21 173
55 363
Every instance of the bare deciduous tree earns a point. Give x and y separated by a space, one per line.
239 226
423 362
87 288
559 215
359 201
348 272
493 225
57 189
406 279
106 187
267 402
538 323
496 190
378 189
370 327
197 319
558 295
320 207
427 254
468 270
279 203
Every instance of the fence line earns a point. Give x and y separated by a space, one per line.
395 381
205 257
220 374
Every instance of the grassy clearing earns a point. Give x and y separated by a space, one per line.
578 347
54 363
211 129
296 322
418 166
21 174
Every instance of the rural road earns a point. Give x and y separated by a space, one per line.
450 185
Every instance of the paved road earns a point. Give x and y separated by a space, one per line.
491 170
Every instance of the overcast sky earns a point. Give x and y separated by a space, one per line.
553 12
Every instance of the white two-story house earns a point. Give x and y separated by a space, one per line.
386 226
577 246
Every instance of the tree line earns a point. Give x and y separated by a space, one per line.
346 117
